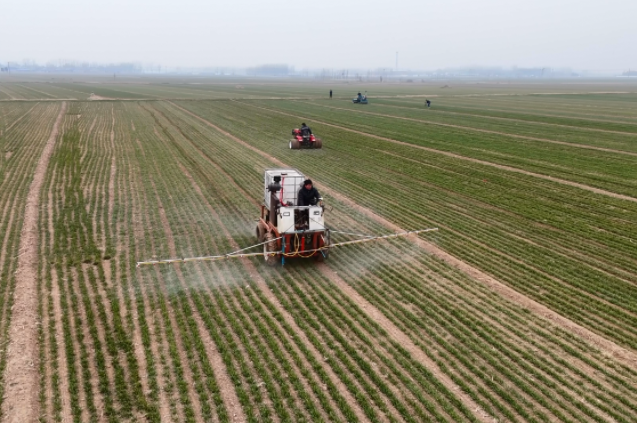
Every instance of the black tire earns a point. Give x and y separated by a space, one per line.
295 144
260 233
318 143
270 250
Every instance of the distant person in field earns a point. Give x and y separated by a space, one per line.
330 93
308 195
428 103
305 130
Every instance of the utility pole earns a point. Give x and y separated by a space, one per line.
396 61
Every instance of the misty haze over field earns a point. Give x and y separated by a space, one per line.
427 34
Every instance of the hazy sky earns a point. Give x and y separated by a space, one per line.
428 34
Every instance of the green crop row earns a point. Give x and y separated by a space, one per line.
21 144
134 181
514 218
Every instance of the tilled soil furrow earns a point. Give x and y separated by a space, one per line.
164 394
20 378
187 372
62 404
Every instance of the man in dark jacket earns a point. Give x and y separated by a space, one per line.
305 130
308 195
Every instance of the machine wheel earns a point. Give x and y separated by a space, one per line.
260 233
269 248
318 143
295 144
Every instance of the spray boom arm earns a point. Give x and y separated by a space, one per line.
240 253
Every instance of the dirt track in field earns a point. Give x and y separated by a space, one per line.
487 131
457 156
21 376
607 347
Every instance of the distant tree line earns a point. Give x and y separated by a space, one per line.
30 66
270 70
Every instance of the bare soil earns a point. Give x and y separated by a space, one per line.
63 371
21 378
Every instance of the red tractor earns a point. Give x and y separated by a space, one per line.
304 139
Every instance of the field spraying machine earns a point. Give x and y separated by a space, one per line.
287 227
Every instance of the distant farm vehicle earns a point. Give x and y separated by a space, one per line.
301 140
360 99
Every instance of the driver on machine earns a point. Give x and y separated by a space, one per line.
308 195
305 130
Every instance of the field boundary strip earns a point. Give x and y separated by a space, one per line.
457 156
608 347
21 376
487 131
